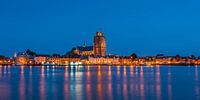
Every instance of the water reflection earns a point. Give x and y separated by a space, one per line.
125 91
142 95
88 92
30 71
197 83
22 85
99 73
136 71
169 84
131 71
110 72
42 84
110 83
66 85
88 85
0 72
118 70
125 72
78 83
8 71
158 83
5 70
30 85
98 82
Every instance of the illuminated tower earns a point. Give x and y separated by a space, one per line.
99 44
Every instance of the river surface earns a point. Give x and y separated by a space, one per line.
99 83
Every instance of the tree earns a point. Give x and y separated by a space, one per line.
29 52
133 56
193 57
178 57
56 55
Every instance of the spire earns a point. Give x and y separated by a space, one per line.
84 45
15 54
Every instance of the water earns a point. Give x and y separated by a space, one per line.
99 83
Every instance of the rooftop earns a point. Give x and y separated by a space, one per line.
85 48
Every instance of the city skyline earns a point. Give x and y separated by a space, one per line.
99 50
143 27
126 52
95 54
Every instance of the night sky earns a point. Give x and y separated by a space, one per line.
146 27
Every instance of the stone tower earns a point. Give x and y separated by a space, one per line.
99 44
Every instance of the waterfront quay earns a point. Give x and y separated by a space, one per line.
44 60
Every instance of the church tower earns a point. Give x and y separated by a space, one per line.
99 44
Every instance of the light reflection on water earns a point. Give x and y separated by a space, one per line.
169 86
22 84
197 83
99 82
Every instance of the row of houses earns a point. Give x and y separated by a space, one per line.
49 60
31 58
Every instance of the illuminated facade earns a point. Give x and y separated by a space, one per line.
83 50
99 44
103 60
40 59
22 60
4 60
98 48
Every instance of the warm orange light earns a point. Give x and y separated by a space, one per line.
22 69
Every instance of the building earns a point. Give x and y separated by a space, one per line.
22 60
41 59
5 60
83 50
99 44
98 48
103 60
25 58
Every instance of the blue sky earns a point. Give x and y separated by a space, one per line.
146 27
